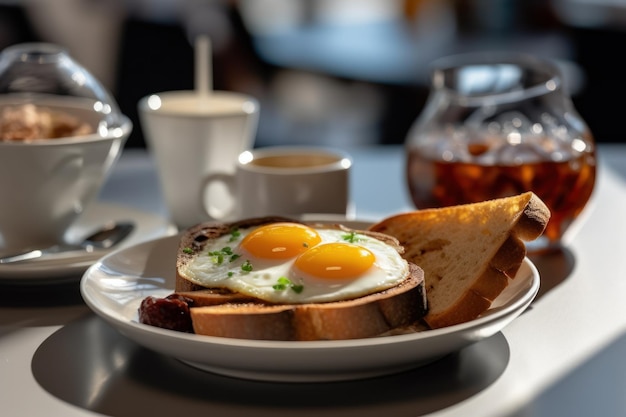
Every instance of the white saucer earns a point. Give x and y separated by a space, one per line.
64 268
115 286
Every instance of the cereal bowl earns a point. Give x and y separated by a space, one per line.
60 135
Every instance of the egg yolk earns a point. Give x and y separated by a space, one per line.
280 241
335 261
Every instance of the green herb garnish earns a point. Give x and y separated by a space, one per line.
219 255
283 283
246 266
351 237
188 250
234 235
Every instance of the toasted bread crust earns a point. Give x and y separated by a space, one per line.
533 219
244 321
464 277
215 296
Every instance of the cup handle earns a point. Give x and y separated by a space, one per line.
212 211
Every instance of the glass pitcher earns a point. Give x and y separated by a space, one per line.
496 125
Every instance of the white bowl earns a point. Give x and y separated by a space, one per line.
46 184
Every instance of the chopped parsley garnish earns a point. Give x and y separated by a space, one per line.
234 235
230 274
283 283
219 255
351 237
246 266
188 250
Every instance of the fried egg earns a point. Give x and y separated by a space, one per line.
291 263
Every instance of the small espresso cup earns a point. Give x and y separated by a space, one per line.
192 136
287 181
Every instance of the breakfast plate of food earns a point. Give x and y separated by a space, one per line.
278 299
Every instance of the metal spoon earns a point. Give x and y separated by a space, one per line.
104 238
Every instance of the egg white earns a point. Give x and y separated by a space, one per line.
389 270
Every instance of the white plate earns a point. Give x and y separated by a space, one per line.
115 286
68 267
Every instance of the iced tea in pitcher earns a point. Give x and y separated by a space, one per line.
500 125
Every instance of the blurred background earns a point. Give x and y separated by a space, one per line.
329 72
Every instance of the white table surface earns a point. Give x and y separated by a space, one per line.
563 356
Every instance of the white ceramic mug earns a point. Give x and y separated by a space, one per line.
288 181
191 137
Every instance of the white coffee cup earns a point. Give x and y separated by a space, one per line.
192 136
288 181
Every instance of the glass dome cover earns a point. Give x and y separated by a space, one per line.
44 74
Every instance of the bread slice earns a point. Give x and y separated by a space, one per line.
220 312
368 316
468 252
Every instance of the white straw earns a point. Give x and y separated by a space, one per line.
204 77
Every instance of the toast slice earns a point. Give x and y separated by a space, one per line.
367 316
468 252
221 312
